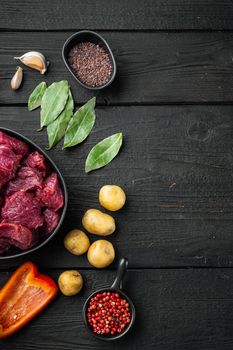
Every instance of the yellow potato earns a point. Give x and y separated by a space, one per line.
112 197
70 282
77 242
101 253
98 223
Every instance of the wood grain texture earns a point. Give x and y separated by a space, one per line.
106 14
176 167
152 68
176 310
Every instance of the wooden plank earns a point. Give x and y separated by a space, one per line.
176 167
152 68
107 14
176 310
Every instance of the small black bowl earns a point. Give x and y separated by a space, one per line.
87 35
16 252
115 287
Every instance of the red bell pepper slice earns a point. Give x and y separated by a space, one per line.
25 294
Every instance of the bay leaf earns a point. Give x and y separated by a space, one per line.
102 153
56 130
81 124
35 98
53 102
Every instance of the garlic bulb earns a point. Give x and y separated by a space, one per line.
34 59
17 78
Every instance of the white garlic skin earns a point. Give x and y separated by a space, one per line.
35 60
17 78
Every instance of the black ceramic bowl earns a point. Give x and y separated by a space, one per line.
15 252
87 35
115 287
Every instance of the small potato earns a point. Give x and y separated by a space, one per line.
77 242
98 223
112 197
101 253
70 282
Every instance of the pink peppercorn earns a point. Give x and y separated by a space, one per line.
114 311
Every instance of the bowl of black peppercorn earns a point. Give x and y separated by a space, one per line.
89 60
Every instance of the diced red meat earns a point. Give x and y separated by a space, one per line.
4 245
2 200
7 152
9 162
36 236
27 179
51 219
19 147
51 195
16 235
24 209
29 198
37 161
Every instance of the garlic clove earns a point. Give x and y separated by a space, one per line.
17 78
35 60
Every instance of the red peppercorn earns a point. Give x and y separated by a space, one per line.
108 313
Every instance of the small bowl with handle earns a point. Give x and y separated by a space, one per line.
117 288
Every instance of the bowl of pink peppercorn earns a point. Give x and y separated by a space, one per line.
89 59
109 313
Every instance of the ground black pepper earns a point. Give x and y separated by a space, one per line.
90 63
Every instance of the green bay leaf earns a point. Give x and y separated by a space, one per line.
53 102
102 153
56 130
81 124
35 98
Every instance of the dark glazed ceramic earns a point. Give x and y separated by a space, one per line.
87 35
115 287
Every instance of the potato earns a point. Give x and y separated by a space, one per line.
101 253
112 197
98 223
70 282
77 242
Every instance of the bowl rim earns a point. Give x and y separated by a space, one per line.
73 36
63 186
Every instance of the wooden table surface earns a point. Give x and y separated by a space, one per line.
173 101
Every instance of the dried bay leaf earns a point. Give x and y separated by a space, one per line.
102 153
56 130
53 102
35 98
81 124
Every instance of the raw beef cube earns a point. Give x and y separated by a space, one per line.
51 219
27 179
23 208
2 201
16 235
18 146
4 245
51 195
36 236
8 164
37 161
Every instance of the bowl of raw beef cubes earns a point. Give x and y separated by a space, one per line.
33 196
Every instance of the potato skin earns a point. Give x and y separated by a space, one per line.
101 253
77 242
98 223
112 197
70 282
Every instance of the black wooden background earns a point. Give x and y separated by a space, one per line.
173 101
